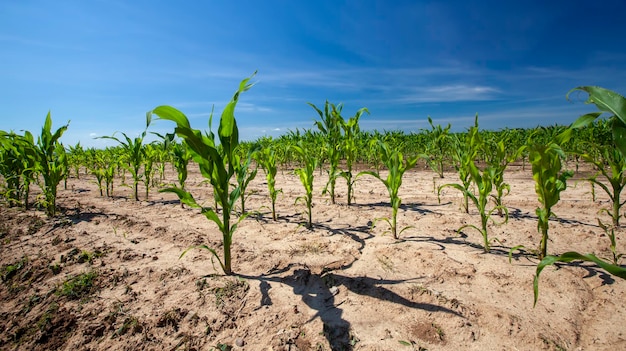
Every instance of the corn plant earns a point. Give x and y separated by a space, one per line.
51 164
134 154
612 166
306 174
550 181
610 233
570 256
151 154
18 166
330 127
180 157
96 167
351 149
76 158
484 184
465 150
111 164
244 175
498 161
266 158
163 154
615 104
396 165
437 146
216 165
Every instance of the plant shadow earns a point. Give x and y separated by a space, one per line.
321 291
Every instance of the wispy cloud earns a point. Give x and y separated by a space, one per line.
448 93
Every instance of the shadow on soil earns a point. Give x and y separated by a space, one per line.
461 240
516 213
319 289
320 292
415 207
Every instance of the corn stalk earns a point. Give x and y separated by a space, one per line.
51 163
396 165
615 104
217 165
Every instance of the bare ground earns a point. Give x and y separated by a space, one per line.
342 285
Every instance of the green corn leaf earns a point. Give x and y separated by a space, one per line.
212 251
613 269
171 114
228 125
585 120
619 135
184 196
605 100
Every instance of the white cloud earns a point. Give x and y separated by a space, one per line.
446 93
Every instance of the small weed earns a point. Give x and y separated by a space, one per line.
4 231
310 248
56 241
9 271
132 324
417 289
32 302
412 345
201 284
46 318
386 263
86 256
222 347
78 286
55 268
35 226
172 318
232 289
556 346
439 331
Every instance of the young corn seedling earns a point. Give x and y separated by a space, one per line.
97 169
51 163
307 175
76 158
498 162
612 166
217 165
351 149
550 181
484 184
18 166
110 166
330 126
437 146
266 158
150 155
180 156
484 181
134 154
465 152
244 175
464 156
615 104
396 165
610 233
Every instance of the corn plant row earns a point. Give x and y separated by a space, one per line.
228 165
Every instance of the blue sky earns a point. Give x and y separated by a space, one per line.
103 64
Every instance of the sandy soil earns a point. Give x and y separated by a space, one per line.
342 285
